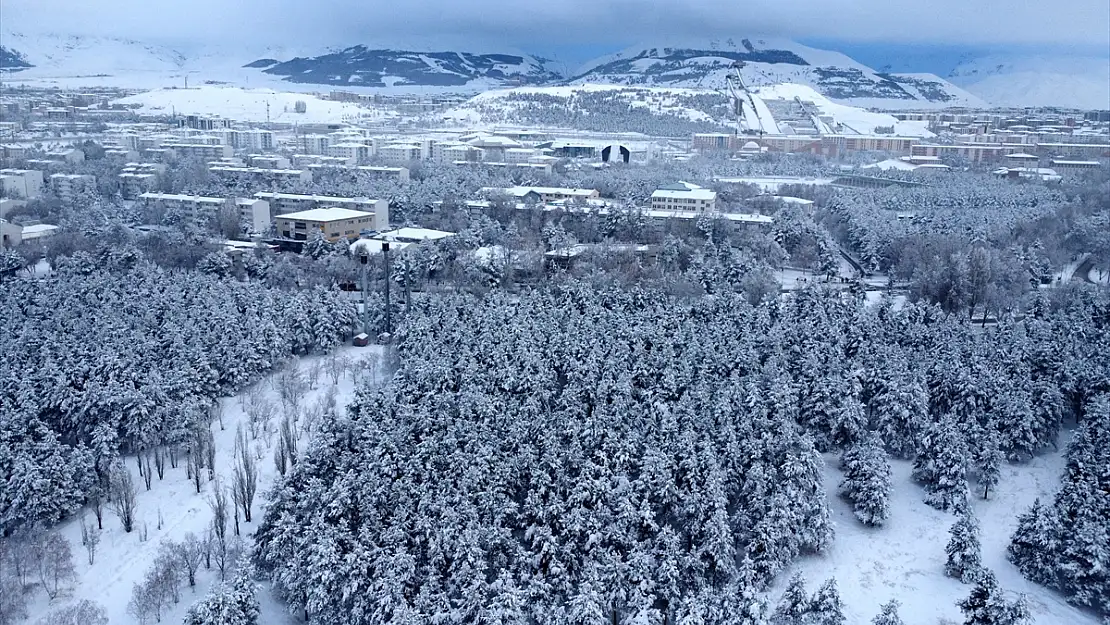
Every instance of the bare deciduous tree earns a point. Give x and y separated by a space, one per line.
123 496
189 553
145 458
288 440
220 513
245 479
55 562
90 538
83 612
160 461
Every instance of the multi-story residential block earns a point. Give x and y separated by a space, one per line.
69 155
400 174
24 183
333 223
121 154
400 152
199 150
198 208
314 144
261 174
69 187
358 152
254 214
268 161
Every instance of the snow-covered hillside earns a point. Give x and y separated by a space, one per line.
248 105
1077 82
768 62
365 67
661 111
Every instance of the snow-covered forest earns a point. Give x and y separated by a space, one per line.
668 428
587 455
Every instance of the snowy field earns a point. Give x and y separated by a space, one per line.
905 558
248 105
855 119
122 559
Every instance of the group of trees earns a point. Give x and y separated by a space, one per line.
1065 544
629 454
114 355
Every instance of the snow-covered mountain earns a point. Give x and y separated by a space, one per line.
1065 81
366 67
706 65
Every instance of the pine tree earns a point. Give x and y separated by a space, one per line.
986 605
941 465
826 608
794 605
867 480
964 561
989 460
1034 547
889 615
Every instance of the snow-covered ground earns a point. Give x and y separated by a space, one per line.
905 558
122 560
249 105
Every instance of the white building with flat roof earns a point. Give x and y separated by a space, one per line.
333 223
400 152
702 200
285 203
254 214
198 208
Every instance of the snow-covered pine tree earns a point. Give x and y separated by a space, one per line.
889 615
1034 547
988 460
941 465
826 608
963 554
233 603
867 480
986 605
794 605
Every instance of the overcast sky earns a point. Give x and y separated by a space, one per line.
552 24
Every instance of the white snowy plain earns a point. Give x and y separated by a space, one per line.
902 560
122 560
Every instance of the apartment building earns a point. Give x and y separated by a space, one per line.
139 178
69 187
972 153
547 194
261 174
254 214
334 223
314 144
24 183
285 203
308 160
400 174
400 152
269 161
196 207
68 155
684 197
198 150
121 154
357 152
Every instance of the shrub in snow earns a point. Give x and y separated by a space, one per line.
233 603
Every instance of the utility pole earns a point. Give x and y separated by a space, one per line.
365 258
388 311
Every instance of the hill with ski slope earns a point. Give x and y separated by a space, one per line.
1072 82
659 111
707 65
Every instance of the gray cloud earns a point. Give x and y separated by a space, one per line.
546 24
